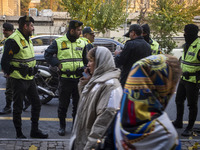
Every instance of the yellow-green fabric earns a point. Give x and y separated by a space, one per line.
25 55
70 55
189 62
154 47
85 40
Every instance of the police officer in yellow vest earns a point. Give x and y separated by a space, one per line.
188 85
71 55
154 45
88 36
18 63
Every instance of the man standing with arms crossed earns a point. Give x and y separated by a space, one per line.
18 63
70 60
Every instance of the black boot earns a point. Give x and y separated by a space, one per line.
61 131
5 110
178 123
38 134
20 135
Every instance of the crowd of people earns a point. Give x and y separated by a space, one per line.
118 102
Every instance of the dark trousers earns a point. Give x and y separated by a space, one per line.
68 88
190 91
8 93
21 88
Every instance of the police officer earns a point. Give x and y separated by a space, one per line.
70 60
7 31
188 85
88 36
18 63
154 44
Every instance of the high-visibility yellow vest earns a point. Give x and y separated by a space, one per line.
25 55
154 47
70 55
189 62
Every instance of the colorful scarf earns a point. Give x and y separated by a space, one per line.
147 91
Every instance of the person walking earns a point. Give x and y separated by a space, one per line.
7 31
142 122
18 63
188 87
100 96
134 49
154 44
70 60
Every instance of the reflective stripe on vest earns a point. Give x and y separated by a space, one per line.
70 55
25 55
190 62
23 60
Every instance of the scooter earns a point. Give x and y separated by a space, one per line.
47 81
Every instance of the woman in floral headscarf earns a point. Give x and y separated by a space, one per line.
142 123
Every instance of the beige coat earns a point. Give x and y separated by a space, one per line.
98 104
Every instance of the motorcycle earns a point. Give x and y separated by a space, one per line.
47 81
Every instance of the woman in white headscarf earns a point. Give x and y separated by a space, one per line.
100 96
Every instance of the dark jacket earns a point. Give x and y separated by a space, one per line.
133 51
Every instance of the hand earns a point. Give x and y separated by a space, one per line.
117 52
60 66
84 80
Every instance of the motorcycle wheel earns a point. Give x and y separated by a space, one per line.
44 98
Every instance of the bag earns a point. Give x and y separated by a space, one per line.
107 141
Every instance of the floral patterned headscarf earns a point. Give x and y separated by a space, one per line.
149 86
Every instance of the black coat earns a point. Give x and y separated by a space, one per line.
133 51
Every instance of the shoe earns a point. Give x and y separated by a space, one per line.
177 124
38 134
5 110
187 132
21 137
61 132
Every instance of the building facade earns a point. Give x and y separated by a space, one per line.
10 7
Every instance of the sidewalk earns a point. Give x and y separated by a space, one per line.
61 144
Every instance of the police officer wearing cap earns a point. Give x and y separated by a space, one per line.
71 57
134 49
18 64
88 37
7 31
188 87
154 44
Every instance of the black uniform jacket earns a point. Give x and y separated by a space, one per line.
133 51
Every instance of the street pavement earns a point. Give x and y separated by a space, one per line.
63 144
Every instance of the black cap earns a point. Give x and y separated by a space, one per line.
73 24
191 29
8 27
136 28
145 28
87 30
24 19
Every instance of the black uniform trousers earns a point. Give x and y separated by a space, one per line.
21 88
68 88
190 91
8 93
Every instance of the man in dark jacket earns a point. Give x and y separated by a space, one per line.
135 49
